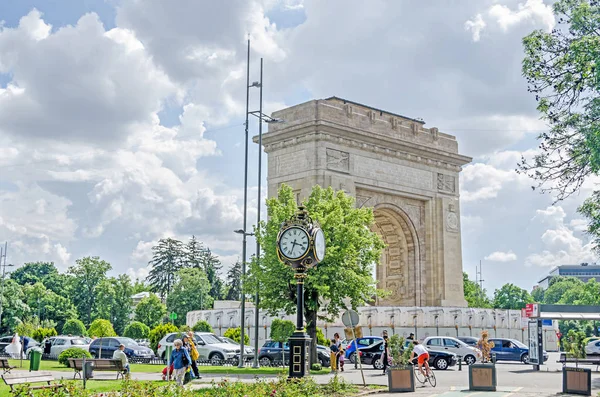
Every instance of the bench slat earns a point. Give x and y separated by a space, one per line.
28 378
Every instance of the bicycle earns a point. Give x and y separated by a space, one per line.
422 378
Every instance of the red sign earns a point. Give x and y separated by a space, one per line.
531 310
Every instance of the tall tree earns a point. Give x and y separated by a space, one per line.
150 311
33 272
198 256
234 279
87 274
14 309
166 262
562 71
47 305
474 295
559 287
538 294
345 277
509 296
123 302
190 293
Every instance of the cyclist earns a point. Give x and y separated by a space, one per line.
422 357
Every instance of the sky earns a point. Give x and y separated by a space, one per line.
121 121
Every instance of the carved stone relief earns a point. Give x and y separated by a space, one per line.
338 160
446 183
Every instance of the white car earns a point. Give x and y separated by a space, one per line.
249 350
62 343
593 347
209 346
453 345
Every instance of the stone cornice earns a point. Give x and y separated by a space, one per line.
319 130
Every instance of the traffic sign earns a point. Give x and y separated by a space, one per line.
173 316
350 318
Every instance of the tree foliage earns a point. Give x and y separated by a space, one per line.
101 328
200 257
42 333
150 311
344 279
236 335
281 330
34 272
137 330
166 262
74 327
159 332
202 326
234 279
190 293
509 296
88 274
474 295
561 70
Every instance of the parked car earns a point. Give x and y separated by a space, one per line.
6 340
593 347
272 351
512 350
362 342
143 342
371 355
105 347
248 350
469 340
62 343
209 346
453 345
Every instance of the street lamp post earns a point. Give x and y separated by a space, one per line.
243 314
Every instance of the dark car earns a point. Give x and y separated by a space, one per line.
362 342
105 347
469 340
272 352
512 350
371 355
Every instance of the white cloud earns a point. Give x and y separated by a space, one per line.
579 225
483 182
138 274
499 256
534 11
475 26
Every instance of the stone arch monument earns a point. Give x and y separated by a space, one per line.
407 173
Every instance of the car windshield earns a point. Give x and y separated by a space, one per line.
518 344
211 339
78 342
128 342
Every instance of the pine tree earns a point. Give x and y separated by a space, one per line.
198 256
168 259
234 278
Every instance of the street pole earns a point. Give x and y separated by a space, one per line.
243 308
2 255
257 298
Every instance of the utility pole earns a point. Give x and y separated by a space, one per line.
3 264
479 280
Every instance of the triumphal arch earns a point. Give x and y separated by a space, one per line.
406 172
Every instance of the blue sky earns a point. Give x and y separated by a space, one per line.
123 122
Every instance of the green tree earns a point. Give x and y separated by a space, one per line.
321 339
123 302
137 330
33 272
559 287
74 327
236 335
583 294
47 305
166 262
190 293
234 277
150 311
474 295
42 333
561 70
202 326
101 328
140 286
14 309
281 331
198 256
538 295
159 332
509 296
88 273
344 278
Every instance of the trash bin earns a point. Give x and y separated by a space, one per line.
35 356
88 370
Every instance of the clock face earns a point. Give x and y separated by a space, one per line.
319 245
294 243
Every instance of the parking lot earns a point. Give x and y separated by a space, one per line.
514 379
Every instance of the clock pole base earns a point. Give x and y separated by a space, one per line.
299 354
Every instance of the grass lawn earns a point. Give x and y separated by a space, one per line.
46 365
92 385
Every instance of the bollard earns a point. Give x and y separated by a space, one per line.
460 363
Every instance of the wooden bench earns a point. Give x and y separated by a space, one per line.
5 366
32 377
577 361
99 364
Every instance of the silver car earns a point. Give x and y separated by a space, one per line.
209 346
452 345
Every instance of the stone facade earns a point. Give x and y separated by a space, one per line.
407 173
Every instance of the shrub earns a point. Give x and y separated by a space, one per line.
73 352
202 326
575 344
74 327
42 333
236 335
137 330
26 328
101 328
185 328
159 332
281 330
321 339
316 367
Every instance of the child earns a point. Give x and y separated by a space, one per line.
164 372
341 354
334 352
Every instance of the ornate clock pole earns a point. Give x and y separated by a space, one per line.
300 245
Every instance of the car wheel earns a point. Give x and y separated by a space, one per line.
470 360
216 358
93 355
265 361
352 360
525 358
378 363
441 363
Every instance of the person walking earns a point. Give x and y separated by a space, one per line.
119 354
338 343
194 355
14 348
386 352
181 361
333 356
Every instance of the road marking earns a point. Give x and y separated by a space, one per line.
453 388
514 391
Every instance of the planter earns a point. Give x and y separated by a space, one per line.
577 381
401 379
482 377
